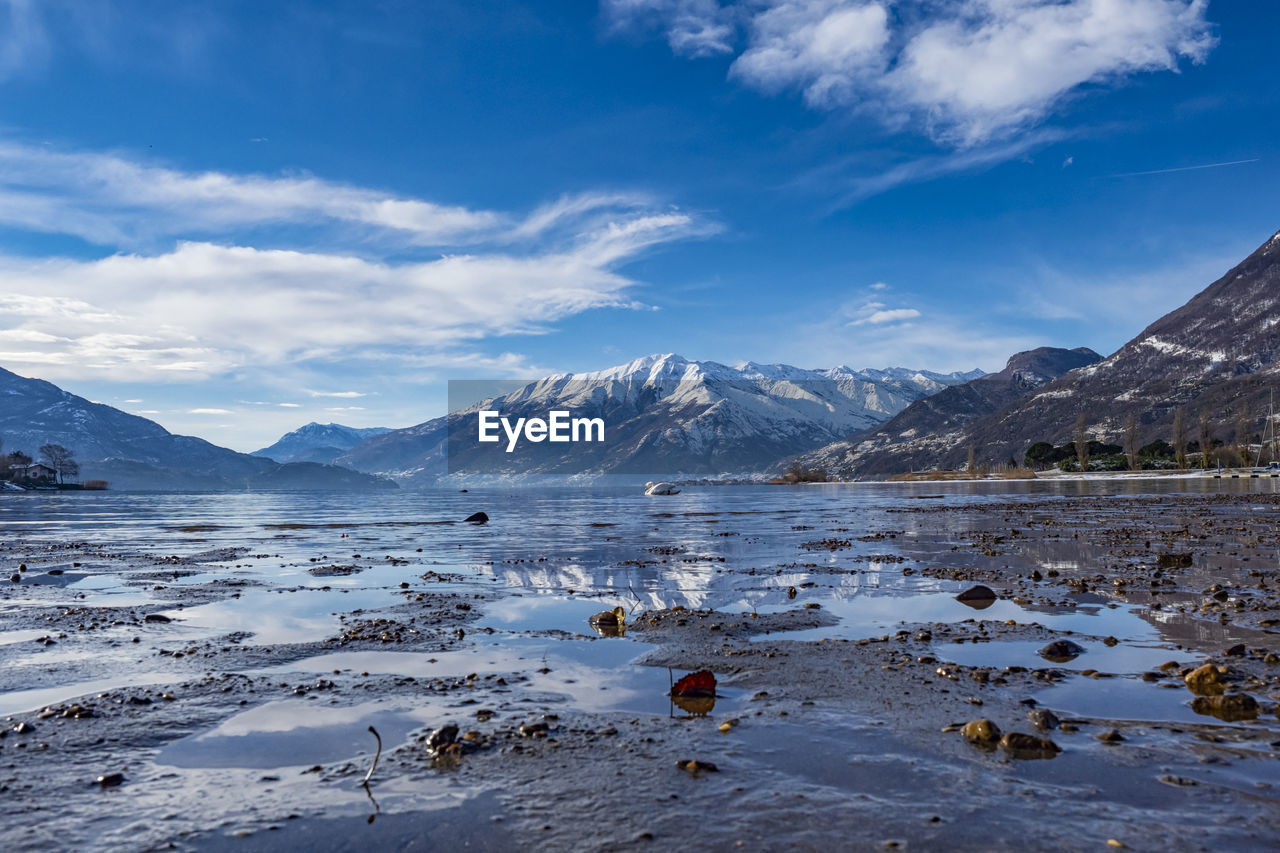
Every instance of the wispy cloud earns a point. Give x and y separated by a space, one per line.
198 307
965 72
1184 168
209 412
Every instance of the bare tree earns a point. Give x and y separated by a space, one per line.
1082 442
1242 436
60 460
971 459
1206 438
1131 440
1180 436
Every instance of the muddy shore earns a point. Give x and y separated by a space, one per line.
155 717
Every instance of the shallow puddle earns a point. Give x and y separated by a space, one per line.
281 616
587 675
1122 658
297 733
20 701
1129 699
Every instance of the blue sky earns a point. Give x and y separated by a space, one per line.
235 218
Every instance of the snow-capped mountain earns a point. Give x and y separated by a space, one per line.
132 452
317 442
664 415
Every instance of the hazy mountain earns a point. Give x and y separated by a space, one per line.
318 442
665 415
135 453
924 432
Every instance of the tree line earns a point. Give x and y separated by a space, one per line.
1084 453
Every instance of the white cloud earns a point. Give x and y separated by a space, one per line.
290 405
965 71
335 393
876 313
202 308
209 412
826 48
112 200
892 315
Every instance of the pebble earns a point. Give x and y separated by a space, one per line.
1043 719
1025 746
109 780
1061 650
977 595
1205 681
981 732
1232 708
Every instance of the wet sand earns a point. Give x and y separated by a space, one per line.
238 715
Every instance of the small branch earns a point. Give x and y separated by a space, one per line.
376 756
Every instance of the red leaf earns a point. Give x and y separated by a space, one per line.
700 683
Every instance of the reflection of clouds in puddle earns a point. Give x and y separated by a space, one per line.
863 615
274 617
589 675
20 701
292 733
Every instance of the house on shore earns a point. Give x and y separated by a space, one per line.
35 474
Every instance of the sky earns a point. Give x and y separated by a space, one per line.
238 217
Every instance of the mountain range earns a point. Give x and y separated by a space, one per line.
132 452
1216 358
666 415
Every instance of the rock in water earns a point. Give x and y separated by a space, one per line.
609 623
981 733
442 738
1043 719
1232 709
109 780
157 617
978 597
476 518
1061 651
1205 681
1025 746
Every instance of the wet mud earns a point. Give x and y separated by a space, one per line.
1110 679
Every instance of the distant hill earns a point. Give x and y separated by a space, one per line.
1218 354
925 432
132 452
318 442
666 415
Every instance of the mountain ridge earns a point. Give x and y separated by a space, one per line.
670 414
133 452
